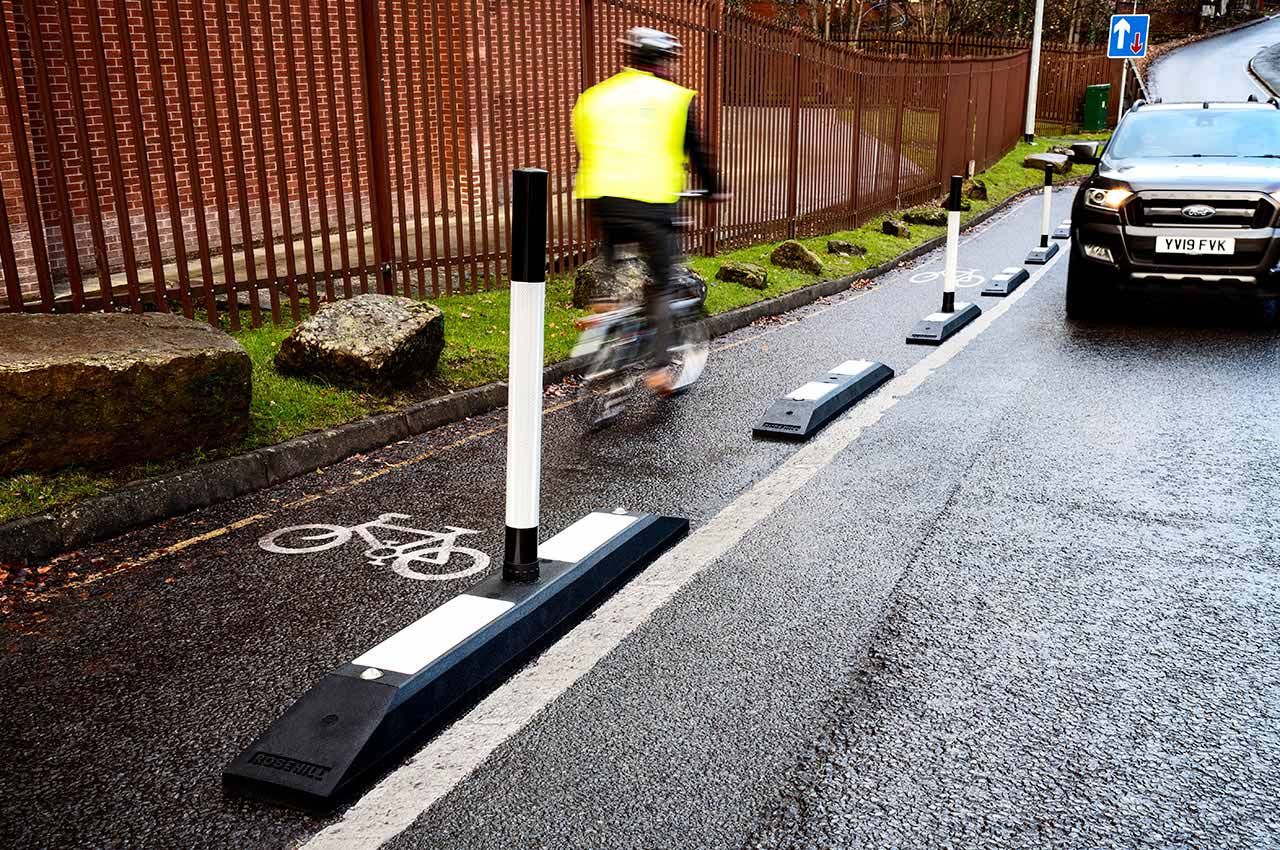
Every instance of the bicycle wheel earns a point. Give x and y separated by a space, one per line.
329 537
605 386
689 355
473 561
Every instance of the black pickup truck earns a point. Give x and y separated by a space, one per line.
1184 199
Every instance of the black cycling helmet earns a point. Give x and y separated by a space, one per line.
647 46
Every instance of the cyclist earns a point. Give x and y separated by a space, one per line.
635 131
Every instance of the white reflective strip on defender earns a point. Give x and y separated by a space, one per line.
812 391
942 317
1048 210
418 644
851 367
583 537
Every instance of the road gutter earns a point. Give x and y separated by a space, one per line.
154 499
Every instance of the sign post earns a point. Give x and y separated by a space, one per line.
1127 40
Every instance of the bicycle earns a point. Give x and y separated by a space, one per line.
617 341
431 547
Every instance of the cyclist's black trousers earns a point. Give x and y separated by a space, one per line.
651 227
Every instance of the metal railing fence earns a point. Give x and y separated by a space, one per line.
254 159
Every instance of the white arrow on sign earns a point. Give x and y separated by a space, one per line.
1121 29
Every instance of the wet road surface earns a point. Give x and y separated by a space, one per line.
1031 600
1216 68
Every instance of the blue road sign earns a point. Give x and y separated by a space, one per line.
1128 36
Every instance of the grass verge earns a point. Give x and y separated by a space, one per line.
475 353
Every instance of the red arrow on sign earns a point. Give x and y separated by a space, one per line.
1136 47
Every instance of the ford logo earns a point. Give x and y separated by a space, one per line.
1198 211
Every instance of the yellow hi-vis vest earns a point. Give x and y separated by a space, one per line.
630 133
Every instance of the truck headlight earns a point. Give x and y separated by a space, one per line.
1106 199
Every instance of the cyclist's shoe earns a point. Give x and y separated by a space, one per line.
660 381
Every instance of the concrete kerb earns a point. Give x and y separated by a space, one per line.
1269 79
155 499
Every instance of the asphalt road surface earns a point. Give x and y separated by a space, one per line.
1216 68
1022 596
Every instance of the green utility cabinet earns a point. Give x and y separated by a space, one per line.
1095 106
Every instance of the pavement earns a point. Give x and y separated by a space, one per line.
1265 65
1215 68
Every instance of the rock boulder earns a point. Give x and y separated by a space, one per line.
975 189
965 203
896 227
594 283
793 255
747 274
926 215
108 389
378 341
1060 164
843 248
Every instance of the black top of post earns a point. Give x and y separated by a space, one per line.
529 225
1048 175
957 187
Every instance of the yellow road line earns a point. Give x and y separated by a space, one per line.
172 549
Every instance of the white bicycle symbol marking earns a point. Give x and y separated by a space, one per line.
436 548
965 278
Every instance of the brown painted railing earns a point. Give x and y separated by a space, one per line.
254 159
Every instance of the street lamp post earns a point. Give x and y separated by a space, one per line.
1033 79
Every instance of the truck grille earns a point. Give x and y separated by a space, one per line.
1242 210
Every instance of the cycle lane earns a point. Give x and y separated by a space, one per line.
151 678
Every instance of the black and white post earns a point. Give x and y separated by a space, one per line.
524 386
953 246
1046 250
937 327
1033 76
333 740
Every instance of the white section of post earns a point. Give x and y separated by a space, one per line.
952 253
524 372
952 256
1033 79
524 403
1047 215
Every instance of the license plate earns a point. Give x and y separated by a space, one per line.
1194 245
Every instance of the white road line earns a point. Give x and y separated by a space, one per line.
395 803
